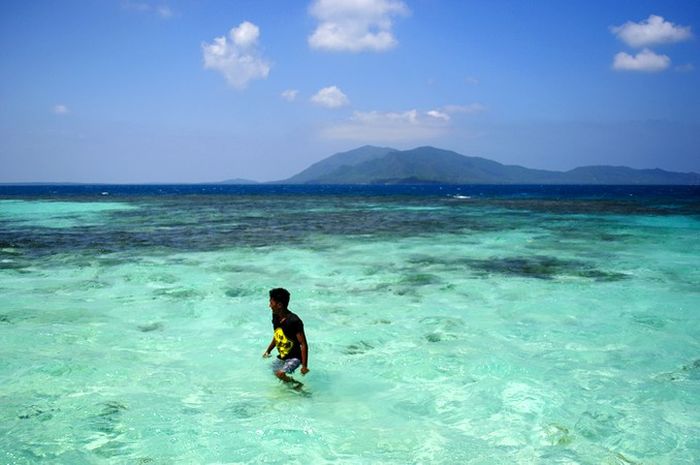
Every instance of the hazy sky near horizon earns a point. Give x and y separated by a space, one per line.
196 91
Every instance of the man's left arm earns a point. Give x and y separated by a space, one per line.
301 338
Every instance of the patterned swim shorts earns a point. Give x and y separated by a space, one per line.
288 366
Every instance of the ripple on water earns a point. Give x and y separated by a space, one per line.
244 409
38 412
652 321
358 348
601 424
150 327
442 328
179 293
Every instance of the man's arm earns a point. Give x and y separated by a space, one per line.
269 348
301 337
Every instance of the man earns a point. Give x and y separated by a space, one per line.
289 338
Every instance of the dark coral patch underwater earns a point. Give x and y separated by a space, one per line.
541 267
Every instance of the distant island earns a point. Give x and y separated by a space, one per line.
238 181
430 165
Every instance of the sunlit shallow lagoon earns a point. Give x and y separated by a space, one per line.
475 325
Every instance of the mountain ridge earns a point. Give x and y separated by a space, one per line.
430 165
338 160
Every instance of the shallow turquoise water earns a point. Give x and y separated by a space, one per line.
441 330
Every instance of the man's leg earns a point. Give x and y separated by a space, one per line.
286 369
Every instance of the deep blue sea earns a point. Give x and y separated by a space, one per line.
446 324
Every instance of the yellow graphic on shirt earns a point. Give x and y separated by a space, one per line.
284 345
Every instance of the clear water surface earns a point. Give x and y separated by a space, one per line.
447 324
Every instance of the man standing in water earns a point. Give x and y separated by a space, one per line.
289 338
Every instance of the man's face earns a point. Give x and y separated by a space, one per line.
275 306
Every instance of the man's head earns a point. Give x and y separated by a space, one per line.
279 299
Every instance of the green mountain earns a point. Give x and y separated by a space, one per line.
427 165
624 175
351 158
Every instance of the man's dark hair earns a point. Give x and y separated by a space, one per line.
280 295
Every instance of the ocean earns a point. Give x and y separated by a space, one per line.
446 324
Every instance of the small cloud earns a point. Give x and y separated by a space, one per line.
355 25
472 81
237 57
245 35
438 115
330 97
686 68
164 12
654 30
290 95
60 109
646 61
384 127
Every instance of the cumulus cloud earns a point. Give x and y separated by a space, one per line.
246 35
355 25
60 109
654 30
290 95
646 60
384 127
237 57
330 97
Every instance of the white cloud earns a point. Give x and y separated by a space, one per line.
330 97
445 112
355 25
164 11
406 126
246 35
654 30
60 109
290 95
237 57
438 115
385 127
646 60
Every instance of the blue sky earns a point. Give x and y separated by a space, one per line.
197 91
